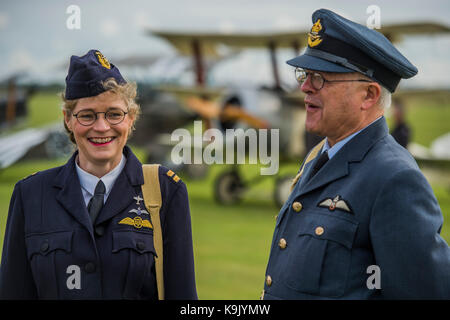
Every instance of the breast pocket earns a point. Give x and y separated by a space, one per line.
136 248
319 259
44 250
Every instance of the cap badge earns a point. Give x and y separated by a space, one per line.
102 59
314 38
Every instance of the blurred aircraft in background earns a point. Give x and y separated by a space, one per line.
13 102
16 141
278 107
167 107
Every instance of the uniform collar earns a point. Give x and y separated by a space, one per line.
338 146
353 151
132 169
121 195
88 181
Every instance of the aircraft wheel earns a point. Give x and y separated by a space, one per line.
228 188
282 190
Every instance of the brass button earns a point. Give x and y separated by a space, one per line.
269 281
282 243
319 231
297 206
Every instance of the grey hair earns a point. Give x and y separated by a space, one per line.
385 99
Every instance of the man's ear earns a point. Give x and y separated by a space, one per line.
372 96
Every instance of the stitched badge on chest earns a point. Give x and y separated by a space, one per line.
336 203
137 222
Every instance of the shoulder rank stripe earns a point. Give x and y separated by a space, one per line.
170 173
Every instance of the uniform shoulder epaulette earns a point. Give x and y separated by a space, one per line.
172 176
30 175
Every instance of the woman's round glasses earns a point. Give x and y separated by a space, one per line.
88 117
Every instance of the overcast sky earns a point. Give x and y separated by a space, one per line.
34 36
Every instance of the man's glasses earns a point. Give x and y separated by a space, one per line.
317 80
88 117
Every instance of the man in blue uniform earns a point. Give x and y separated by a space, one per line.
361 221
82 231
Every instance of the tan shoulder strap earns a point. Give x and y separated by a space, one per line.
152 198
311 156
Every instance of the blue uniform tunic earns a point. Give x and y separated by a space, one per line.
52 250
368 208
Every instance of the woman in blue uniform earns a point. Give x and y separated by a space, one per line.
82 231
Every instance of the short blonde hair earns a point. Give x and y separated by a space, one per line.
127 92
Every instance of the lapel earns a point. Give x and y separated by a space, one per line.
69 195
307 172
126 187
352 151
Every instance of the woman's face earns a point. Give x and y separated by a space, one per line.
101 143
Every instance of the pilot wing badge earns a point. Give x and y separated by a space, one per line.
138 211
336 203
137 222
314 38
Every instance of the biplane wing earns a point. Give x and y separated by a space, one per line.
432 94
204 44
394 32
182 41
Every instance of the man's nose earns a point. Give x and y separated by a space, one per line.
306 86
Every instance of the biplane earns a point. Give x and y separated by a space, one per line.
279 106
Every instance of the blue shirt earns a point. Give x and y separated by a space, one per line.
88 181
334 149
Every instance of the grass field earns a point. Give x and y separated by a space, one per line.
231 243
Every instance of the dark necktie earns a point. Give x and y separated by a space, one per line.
96 202
319 163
